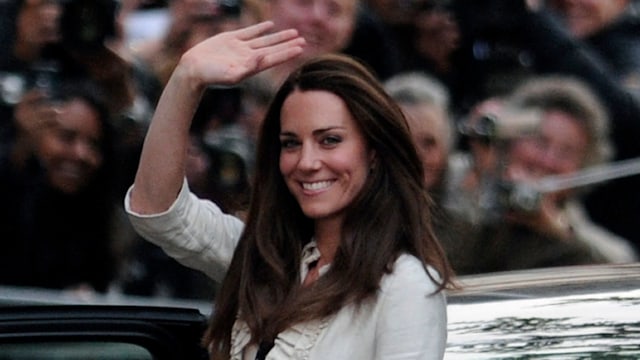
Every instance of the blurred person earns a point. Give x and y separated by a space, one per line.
595 41
571 135
426 37
58 210
425 103
70 36
611 28
48 42
327 24
609 32
190 22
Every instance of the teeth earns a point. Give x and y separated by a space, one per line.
317 185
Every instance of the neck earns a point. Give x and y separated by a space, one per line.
327 236
26 52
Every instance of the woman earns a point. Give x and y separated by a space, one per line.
337 258
58 213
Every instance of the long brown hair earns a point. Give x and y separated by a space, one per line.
390 216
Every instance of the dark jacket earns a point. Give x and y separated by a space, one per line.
49 239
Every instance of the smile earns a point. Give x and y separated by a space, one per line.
319 185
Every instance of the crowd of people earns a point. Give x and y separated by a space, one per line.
499 96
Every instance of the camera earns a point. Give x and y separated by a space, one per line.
43 75
500 197
511 123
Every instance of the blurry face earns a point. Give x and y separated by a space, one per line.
438 35
70 147
38 22
429 132
585 17
560 148
324 157
326 25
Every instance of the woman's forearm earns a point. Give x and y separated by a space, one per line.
162 161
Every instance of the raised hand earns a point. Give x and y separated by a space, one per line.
229 57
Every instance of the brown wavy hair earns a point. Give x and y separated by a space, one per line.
390 216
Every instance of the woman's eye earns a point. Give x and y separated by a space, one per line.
288 143
331 140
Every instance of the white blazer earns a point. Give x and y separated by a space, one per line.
405 320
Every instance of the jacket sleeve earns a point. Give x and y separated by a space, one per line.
193 231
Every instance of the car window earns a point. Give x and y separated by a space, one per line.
97 350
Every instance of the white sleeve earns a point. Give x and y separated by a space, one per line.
413 320
193 231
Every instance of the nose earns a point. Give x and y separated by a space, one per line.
51 12
550 160
86 153
318 11
309 158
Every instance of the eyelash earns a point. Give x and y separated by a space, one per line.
330 140
288 143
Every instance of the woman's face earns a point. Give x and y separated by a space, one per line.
324 156
430 134
326 25
38 22
559 148
70 147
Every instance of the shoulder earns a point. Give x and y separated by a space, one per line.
409 272
411 316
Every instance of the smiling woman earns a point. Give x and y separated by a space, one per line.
54 181
325 159
337 258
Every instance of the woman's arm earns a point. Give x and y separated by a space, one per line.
224 59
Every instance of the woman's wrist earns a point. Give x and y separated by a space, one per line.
187 76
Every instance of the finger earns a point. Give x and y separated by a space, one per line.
281 53
273 39
253 31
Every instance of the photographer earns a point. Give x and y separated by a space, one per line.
552 229
505 41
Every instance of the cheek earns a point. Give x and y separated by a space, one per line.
48 148
438 156
97 160
359 172
526 150
286 163
287 14
343 30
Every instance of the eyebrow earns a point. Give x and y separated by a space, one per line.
314 132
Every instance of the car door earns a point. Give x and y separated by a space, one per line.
101 332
